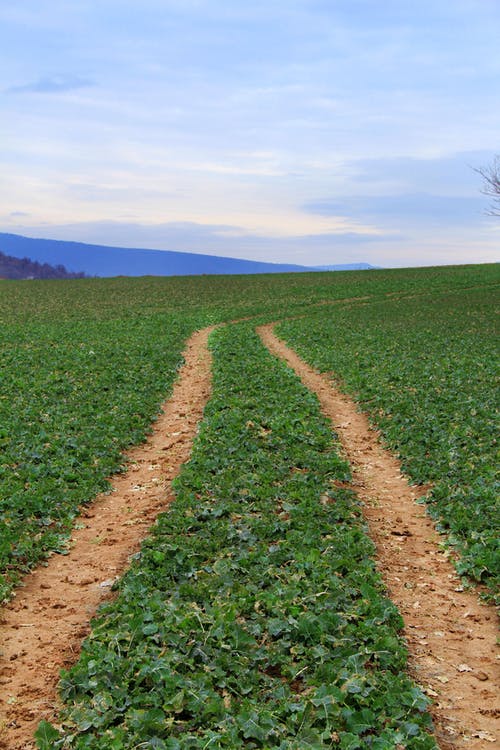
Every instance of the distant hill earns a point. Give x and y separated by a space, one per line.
24 268
103 260
347 267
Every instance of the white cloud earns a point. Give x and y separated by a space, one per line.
239 115
53 84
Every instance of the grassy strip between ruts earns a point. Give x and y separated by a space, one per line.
253 616
426 370
84 365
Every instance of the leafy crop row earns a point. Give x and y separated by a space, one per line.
84 365
253 616
215 298
73 396
426 369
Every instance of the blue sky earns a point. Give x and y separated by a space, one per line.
308 131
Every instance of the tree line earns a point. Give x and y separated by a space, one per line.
25 268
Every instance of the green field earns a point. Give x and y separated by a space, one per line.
427 373
273 610
254 617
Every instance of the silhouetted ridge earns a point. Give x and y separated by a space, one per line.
103 260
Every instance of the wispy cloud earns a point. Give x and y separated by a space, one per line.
54 84
441 174
403 210
289 131
408 193
218 239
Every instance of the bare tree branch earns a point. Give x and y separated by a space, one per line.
491 184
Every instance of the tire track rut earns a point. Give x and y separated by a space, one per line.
42 628
451 635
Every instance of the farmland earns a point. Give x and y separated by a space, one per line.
428 376
268 625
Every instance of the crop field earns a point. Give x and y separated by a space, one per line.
265 621
254 615
83 369
427 372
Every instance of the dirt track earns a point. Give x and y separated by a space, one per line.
42 628
451 636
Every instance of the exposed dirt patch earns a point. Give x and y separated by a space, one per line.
41 630
451 635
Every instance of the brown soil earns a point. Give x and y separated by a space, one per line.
42 628
451 635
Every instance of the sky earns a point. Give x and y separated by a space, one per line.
304 131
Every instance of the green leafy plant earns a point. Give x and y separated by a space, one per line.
254 616
426 370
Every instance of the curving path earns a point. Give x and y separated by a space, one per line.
42 628
451 636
